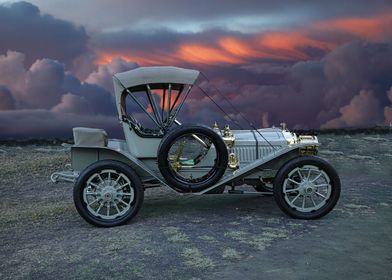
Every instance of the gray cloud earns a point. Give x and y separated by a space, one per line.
40 98
45 100
388 109
180 14
346 88
364 109
24 29
71 103
47 124
43 85
104 74
267 68
7 101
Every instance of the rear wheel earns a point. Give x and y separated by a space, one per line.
307 187
108 193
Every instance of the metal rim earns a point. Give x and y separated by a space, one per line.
307 188
108 194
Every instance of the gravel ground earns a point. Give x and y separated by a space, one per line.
208 237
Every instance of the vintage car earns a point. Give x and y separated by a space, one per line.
110 176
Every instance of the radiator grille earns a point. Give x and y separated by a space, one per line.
248 154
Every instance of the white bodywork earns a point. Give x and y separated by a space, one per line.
252 149
110 176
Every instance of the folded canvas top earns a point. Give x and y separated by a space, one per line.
90 137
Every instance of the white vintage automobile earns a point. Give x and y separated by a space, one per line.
110 176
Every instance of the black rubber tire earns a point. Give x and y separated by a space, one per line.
164 165
96 167
298 162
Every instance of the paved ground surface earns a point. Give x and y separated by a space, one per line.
209 237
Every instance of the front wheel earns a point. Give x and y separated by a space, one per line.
307 187
108 193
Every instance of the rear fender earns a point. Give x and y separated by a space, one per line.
81 157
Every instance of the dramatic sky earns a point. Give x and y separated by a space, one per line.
312 64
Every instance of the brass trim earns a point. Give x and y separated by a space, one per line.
233 163
309 150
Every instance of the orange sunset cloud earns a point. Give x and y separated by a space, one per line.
277 45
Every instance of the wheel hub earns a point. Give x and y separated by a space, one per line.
306 188
108 193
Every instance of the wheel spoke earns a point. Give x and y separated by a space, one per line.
115 206
94 185
109 176
123 202
295 198
300 174
91 193
311 198
125 194
92 202
303 202
319 194
108 208
99 208
291 190
321 185
317 177
293 181
100 178
122 186
118 178
308 177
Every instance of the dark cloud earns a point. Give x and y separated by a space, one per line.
44 124
364 109
46 99
101 101
7 101
267 49
43 82
149 14
348 87
331 73
267 68
43 85
24 29
388 109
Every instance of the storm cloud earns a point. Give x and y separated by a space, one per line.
348 87
192 15
46 99
44 83
47 124
103 76
310 65
23 28
7 101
